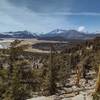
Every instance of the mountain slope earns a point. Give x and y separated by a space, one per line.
67 35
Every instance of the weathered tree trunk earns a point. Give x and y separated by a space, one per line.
78 76
98 82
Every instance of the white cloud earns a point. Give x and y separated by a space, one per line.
81 28
73 13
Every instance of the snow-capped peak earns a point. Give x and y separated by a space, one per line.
57 31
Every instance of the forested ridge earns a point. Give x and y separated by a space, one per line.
24 75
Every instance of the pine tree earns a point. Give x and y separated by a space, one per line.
52 74
19 75
49 82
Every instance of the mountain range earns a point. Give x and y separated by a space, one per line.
18 34
58 34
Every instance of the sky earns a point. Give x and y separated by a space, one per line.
42 16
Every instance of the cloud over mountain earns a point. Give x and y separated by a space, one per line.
81 28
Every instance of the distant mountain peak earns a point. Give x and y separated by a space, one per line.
56 31
67 35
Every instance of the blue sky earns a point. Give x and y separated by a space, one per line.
47 15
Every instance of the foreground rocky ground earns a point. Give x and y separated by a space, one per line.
80 96
72 92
